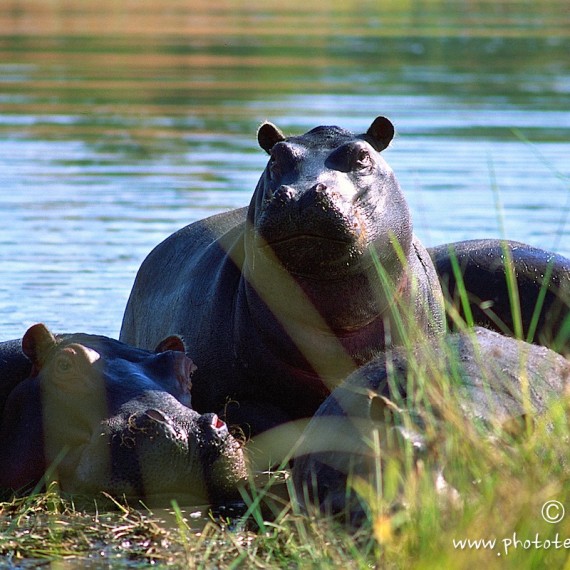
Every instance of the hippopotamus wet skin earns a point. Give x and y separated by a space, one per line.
109 417
542 287
283 299
477 378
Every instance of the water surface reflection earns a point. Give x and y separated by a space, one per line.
121 123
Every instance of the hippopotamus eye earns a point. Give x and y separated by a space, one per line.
63 363
274 168
351 157
283 161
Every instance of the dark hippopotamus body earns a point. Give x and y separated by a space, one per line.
475 382
104 416
539 299
283 299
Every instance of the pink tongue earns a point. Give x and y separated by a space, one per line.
217 423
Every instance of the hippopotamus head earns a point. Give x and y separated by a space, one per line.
430 403
325 198
104 416
350 440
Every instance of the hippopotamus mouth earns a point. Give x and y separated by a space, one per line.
311 255
323 239
337 245
307 237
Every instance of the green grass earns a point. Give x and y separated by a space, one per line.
503 487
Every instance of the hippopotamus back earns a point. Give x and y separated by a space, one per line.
510 287
282 300
473 384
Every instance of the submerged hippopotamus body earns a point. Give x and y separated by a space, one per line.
488 383
103 416
283 299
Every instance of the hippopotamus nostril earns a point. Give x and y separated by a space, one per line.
217 423
284 193
213 425
155 415
318 197
152 424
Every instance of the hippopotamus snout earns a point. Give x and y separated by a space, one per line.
318 210
313 226
164 450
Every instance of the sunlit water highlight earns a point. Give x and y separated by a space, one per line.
115 131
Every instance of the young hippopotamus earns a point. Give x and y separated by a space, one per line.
283 299
99 415
476 382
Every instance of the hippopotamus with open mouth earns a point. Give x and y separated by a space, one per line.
283 299
99 415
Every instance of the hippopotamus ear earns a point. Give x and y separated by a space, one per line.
36 344
173 342
268 135
380 133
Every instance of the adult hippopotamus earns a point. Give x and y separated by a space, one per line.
509 287
473 384
99 415
283 299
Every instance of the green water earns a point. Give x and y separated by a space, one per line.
122 122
